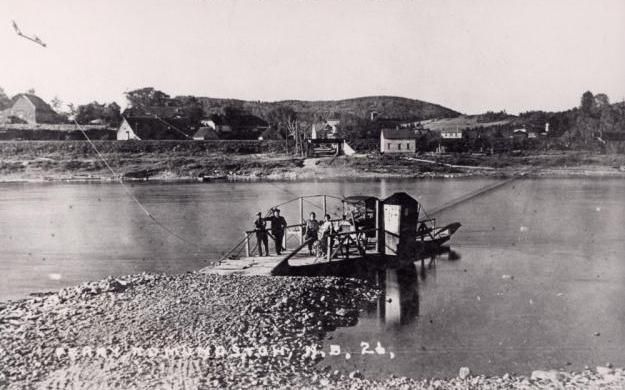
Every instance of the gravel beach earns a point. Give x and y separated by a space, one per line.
195 330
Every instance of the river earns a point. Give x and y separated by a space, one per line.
536 280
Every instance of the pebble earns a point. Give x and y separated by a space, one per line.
356 374
551 375
604 370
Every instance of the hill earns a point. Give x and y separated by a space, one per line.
362 107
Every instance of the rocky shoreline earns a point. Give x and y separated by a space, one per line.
207 331
182 165
325 174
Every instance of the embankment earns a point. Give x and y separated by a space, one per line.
268 160
165 160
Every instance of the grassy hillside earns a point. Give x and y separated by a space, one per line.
385 106
463 122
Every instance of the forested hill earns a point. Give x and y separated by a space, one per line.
385 106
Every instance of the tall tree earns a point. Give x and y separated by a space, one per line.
109 114
602 100
113 115
281 117
284 119
146 97
191 109
588 103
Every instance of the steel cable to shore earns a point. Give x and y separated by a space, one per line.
479 192
136 200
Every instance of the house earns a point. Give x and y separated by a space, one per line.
334 124
205 133
30 109
148 128
325 129
520 134
321 130
397 141
451 134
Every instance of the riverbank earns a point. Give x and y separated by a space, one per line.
206 331
260 161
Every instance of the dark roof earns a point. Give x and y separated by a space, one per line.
39 103
155 128
326 140
400 198
398 133
358 198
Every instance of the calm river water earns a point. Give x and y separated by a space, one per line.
537 279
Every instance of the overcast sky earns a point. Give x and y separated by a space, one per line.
471 56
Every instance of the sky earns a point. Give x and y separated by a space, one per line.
471 56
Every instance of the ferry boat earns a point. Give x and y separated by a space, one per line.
367 230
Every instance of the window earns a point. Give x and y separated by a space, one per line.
388 146
408 146
399 146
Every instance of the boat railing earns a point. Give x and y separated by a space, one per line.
344 244
433 220
293 235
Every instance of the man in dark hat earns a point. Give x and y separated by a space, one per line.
260 226
278 225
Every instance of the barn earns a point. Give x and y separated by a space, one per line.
30 109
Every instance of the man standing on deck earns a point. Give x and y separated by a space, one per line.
326 230
312 230
278 225
260 226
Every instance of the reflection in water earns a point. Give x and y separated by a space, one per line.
399 303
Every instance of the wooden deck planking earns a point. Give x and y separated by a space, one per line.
256 265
